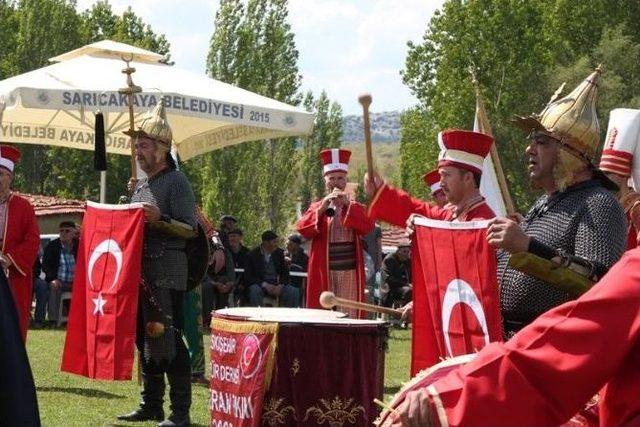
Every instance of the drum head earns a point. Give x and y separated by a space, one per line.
291 315
279 314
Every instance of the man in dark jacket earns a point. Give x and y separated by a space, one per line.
267 274
396 276
239 253
59 264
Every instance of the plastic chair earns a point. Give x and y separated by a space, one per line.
62 315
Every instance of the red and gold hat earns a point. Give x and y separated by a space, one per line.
463 149
621 142
432 179
9 156
335 160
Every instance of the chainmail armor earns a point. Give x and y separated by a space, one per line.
585 221
164 262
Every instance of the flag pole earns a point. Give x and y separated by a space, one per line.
130 90
495 158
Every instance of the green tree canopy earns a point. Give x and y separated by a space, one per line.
518 51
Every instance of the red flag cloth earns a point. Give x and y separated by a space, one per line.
102 320
455 291
548 370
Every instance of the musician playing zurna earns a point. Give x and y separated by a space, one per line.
167 196
335 225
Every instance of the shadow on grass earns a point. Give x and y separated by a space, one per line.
393 389
87 392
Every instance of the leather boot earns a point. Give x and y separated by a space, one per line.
180 395
152 397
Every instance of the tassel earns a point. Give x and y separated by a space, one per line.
100 149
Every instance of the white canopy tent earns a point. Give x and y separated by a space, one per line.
55 105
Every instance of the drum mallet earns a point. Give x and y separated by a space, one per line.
329 300
365 101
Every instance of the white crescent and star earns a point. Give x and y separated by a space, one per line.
99 304
460 292
107 246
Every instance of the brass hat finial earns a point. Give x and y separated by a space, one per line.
156 126
571 119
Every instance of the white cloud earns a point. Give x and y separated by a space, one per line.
311 15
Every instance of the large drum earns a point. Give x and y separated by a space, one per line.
423 379
328 369
586 417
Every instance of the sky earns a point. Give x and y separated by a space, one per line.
346 47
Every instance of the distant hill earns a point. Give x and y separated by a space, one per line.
385 127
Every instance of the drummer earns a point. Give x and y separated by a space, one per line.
166 196
335 225
456 181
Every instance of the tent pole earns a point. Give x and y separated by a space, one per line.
103 186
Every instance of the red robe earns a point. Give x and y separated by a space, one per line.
317 228
552 367
395 207
20 243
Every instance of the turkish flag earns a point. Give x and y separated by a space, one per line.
102 320
455 291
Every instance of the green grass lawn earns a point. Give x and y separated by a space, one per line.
70 400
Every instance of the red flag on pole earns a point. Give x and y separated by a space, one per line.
455 291
102 320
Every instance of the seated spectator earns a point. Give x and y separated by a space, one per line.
218 283
396 276
239 254
296 260
266 274
227 223
41 293
59 265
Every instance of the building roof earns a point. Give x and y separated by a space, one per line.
50 205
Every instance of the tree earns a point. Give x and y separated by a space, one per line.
417 155
253 47
520 52
44 29
619 56
509 64
8 39
40 29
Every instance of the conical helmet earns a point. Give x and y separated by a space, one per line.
572 119
156 126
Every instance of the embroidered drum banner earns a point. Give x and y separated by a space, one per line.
242 356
